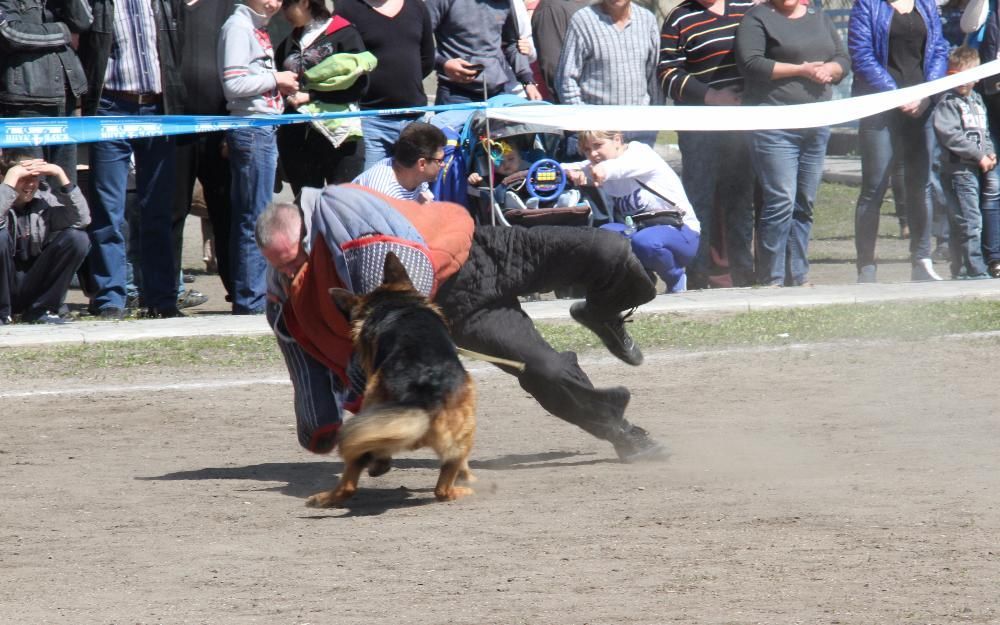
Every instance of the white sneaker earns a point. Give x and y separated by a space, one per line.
682 284
923 271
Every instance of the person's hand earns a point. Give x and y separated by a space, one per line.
597 174
288 82
39 167
987 162
816 71
297 99
425 197
15 173
576 176
730 96
532 92
475 179
458 70
915 108
524 46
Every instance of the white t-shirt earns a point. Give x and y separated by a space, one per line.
641 163
380 177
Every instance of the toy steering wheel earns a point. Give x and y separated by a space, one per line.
546 179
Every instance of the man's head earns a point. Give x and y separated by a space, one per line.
420 150
959 60
279 235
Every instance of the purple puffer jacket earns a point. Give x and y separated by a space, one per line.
868 44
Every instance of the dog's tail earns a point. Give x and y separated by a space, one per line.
384 430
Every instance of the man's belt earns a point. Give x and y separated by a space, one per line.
134 98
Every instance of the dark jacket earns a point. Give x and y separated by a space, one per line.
38 63
868 44
95 48
340 37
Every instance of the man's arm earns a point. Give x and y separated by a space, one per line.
18 35
427 51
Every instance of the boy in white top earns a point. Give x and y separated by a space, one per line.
664 230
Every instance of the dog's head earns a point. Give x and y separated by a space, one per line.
395 293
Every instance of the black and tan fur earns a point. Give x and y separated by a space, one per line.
418 393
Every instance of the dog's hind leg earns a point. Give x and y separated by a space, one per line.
446 489
345 489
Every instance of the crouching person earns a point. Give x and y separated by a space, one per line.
42 238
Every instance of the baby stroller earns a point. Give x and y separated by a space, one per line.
515 175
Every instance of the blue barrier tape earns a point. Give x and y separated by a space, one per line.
39 131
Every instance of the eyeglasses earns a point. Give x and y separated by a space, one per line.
439 161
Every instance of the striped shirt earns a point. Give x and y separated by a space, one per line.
134 64
603 65
697 50
381 177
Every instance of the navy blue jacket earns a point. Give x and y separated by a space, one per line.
868 44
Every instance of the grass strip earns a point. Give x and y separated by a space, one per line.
893 321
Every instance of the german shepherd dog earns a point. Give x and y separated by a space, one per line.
418 393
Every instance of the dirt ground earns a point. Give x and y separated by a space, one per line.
846 483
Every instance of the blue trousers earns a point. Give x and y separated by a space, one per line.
971 194
789 167
253 159
664 250
155 183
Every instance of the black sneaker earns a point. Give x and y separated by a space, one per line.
164 313
611 331
635 445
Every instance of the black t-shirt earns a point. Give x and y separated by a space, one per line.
404 47
907 37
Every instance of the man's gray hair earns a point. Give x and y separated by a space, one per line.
282 218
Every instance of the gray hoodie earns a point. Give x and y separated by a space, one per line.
962 129
246 65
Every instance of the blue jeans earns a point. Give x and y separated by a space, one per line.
718 181
789 167
970 194
253 158
663 250
155 182
380 133
880 137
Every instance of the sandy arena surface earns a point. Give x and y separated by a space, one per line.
848 483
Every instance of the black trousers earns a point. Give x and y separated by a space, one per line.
40 284
482 307
200 157
307 159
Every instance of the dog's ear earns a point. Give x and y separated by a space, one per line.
394 272
344 300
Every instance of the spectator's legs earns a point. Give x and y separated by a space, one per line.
253 157
914 138
380 133
6 276
897 186
700 172
966 223
990 208
875 141
42 285
213 172
812 153
187 172
776 156
155 161
666 250
109 164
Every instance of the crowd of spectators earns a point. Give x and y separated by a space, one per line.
752 192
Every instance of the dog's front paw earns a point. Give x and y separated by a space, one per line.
327 499
453 493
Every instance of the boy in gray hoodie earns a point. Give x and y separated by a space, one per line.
969 176
252 86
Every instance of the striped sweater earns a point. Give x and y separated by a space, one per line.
603 65
697 50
